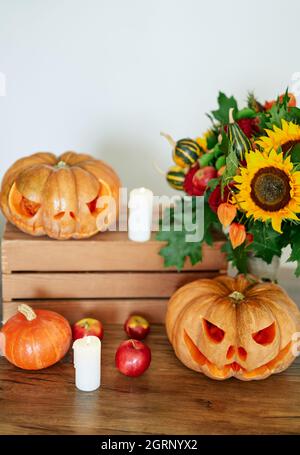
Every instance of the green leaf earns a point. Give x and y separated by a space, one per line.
293 115
295 154
276 114
253 103
232 163
224 145
267 243
285 99
295 254
213 183
211 140
211 222
225 104
238 256
177 249
263 120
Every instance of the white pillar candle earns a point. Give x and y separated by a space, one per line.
87 363
140 214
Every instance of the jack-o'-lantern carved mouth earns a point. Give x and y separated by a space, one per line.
263 337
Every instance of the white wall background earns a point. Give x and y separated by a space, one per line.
106 76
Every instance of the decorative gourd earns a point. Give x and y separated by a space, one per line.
176 177
61 197
237 137
225 327
185 151
35 339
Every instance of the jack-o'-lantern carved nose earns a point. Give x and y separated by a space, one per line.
230 352
60 215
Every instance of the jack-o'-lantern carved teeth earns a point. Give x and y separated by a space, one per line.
92 205
213 332
265 336
29 208
242 353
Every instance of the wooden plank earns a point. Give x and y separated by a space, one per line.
167 399
108 251
95 285
108 311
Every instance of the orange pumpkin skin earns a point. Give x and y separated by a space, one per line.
38 343
226 327
59 196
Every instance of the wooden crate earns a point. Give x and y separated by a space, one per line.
106 276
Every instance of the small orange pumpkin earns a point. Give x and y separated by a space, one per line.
59 196
225 327
33 340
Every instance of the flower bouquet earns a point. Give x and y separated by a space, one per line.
247 168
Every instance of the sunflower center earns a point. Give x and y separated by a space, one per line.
270 189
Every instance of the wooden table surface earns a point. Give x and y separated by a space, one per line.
167 399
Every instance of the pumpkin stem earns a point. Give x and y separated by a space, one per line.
61 164
230 114
237 296
27 311
169 139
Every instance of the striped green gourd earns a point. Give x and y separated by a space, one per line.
185 151
175 177
237 137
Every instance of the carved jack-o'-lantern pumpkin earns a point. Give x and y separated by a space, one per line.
227 327
61 197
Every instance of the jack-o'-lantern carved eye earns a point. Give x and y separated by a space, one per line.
28 208
92 206
213 332
265 336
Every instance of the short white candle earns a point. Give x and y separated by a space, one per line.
140 214
87 363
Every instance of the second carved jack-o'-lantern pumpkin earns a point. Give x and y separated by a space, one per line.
60 196
227 327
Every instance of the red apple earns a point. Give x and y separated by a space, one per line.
137 327
87 327
133 358
203 176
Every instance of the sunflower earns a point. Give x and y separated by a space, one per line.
285 137
268 188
